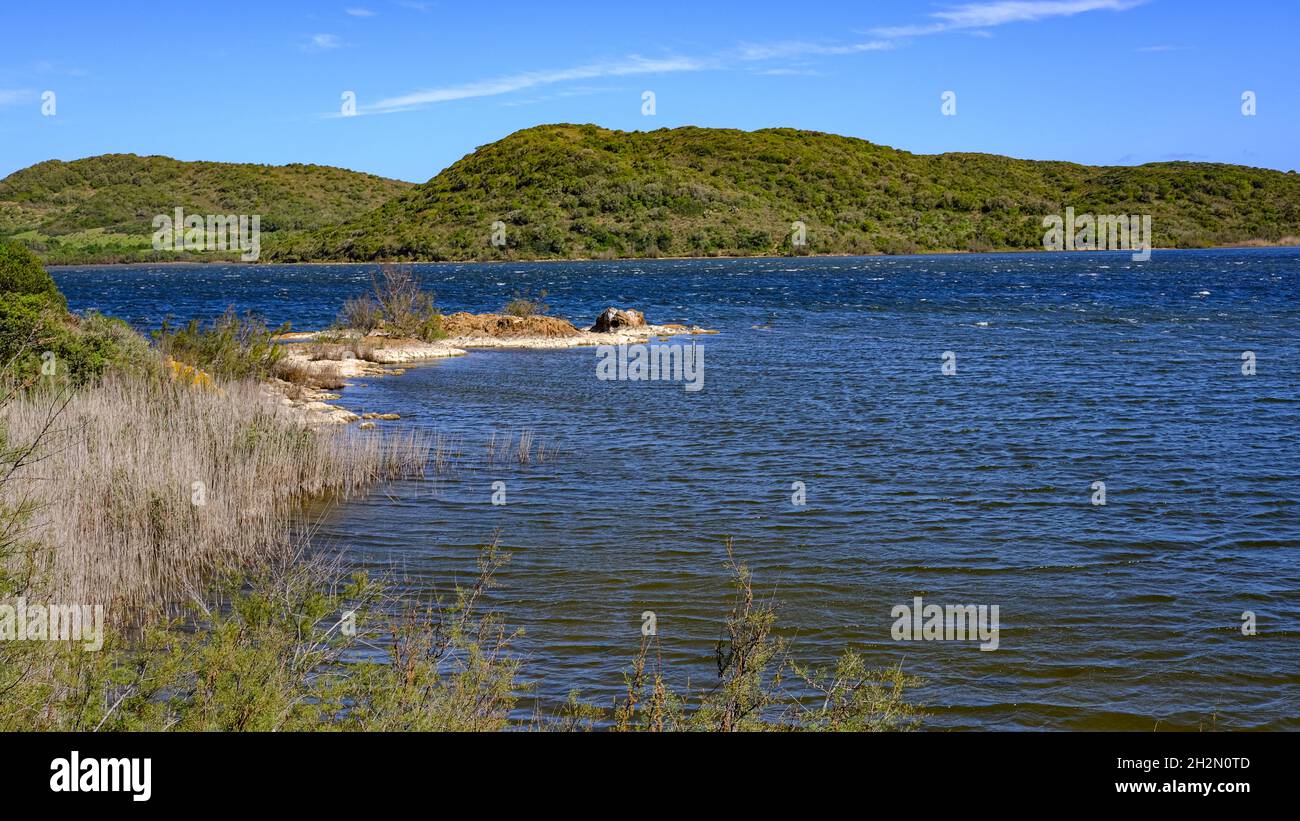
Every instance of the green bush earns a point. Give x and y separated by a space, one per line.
21 273
232 346
270 654
42 340
39 338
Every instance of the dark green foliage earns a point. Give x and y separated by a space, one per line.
21 273
579 191
583 191
231 346
101 209
39 339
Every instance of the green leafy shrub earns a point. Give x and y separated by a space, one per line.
21 273
231 346
269 653
41 340
759 687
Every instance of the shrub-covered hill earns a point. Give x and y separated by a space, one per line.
584 191
101 209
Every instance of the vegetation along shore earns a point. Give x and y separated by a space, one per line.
162 481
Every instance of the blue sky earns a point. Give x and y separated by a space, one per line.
1094 81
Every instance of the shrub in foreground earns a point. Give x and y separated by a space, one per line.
231 346
270 653
21 273
296 645
38 338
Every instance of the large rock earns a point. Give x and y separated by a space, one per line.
616 319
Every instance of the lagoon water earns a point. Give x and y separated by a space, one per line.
974 488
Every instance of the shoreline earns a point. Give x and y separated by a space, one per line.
1249 246
388 356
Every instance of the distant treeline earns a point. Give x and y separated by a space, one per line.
580 191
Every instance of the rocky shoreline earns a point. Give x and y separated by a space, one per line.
321 362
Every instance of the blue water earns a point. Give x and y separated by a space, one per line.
974 488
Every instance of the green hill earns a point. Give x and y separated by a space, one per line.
579 191
101 209
583 191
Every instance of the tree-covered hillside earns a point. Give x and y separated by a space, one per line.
579 191
583 191
102 208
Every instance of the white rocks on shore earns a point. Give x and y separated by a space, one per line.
627 327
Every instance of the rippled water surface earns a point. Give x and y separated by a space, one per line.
967 489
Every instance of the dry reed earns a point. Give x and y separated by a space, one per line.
146 489
502 448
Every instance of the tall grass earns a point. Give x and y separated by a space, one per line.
143 490
502 449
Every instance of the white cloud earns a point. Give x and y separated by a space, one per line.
771 51
629 66
788 72
50 67
532 79
1002 12
580 91
359 11
323 42
14 96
